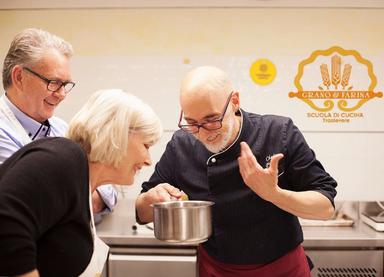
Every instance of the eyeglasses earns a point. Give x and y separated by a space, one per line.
208 125
53 85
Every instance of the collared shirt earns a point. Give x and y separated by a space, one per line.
11 141
246 229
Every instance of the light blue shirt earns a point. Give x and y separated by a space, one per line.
11 141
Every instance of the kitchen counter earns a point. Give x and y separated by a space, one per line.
359 235
117 229
120 228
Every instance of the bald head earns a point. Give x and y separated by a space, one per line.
207 100
205 82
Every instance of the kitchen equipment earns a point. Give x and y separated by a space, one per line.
135 252
375 220
182 221
345 263
342 220
149 261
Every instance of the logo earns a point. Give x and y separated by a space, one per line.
335 83
262 72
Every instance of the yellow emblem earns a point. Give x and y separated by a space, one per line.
335 75
262 72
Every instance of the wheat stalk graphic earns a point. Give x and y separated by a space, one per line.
346 75
325 75
336 62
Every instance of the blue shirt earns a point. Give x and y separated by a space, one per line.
11 141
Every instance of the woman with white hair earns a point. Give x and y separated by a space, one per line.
45 216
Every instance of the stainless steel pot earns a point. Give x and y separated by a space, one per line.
182 221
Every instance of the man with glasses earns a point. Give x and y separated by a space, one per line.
258 170
36 78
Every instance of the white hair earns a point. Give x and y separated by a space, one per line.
103 124
28 47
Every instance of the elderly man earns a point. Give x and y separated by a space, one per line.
259 171
36 78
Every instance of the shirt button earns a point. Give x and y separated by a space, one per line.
43 129
213 160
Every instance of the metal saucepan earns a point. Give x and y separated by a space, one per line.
182 221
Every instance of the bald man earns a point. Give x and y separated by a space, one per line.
259 171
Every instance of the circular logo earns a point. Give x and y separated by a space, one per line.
262 72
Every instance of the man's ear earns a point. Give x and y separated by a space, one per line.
236 100
17 77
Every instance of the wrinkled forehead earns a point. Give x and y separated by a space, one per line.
54 65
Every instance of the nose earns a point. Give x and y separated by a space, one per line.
148 162
60 93
147 159
203 133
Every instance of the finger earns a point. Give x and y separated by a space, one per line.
163 195
244 149
242 162
242 165
275 162
246 154
250 161
171 190
156 195
245 167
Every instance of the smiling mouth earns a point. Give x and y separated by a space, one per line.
51 104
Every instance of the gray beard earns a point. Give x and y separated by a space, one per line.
216 148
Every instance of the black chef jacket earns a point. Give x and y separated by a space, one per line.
246 228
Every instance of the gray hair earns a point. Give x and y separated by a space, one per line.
102 126
28 47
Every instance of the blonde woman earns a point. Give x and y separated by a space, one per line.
46 225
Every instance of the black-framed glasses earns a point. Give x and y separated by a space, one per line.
208 125
53 85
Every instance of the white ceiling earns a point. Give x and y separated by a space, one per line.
50 4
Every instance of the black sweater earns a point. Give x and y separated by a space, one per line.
246 228
44 210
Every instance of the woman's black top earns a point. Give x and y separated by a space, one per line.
44 210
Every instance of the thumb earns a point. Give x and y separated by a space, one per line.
275 162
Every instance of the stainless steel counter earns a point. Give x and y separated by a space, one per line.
120 228
332 249
116 229
359 235
136 252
